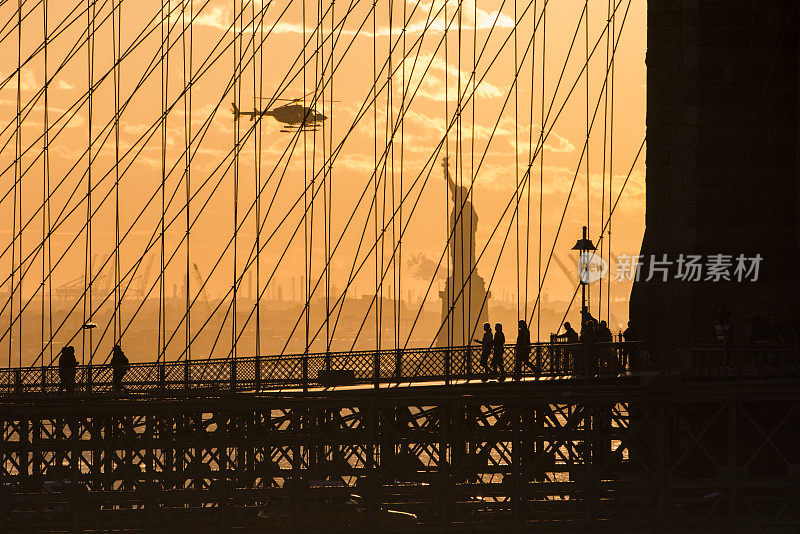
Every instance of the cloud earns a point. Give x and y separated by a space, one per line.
27 80
64 86
432 86
422 267
221 18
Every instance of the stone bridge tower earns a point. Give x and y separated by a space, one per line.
722 163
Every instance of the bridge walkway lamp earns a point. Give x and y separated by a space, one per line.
584 245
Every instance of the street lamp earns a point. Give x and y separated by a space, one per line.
583 245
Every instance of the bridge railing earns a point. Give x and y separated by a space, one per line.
756 360
545 360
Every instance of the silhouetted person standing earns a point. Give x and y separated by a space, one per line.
522 349
607 360
569 336
119 366
498 368
67 366
486 347
629 335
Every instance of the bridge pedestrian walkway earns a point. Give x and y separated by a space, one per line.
350 368
387 368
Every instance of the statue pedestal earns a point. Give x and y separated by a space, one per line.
463 310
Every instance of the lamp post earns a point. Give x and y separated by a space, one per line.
583 245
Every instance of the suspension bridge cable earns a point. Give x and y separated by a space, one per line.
187 141
539 148
541 167
153 131
536 303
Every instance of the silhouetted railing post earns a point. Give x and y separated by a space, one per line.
257 375
186 374
161 375
376 369
538 361
89 378
233 374
17 381
468 362
398 364
305 372
44 378
447 365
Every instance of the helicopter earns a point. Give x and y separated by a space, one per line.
292 115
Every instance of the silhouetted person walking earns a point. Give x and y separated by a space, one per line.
486 348
119 366
522 350
67 366
498 368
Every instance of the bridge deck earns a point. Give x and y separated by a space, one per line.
502 457
388 368
378 368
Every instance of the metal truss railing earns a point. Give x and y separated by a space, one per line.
384 367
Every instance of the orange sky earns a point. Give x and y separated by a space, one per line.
436 68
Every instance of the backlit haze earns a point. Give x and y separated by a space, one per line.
489 144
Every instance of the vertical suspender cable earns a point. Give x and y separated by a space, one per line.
187 137
541 168
46 221
588 180
306 252
17 177
87 277
611 156
472 132
375 168
603 173
390 153
330 171
257 93
325 216
382 205
516 157
466 247
528 170
450 280
237 89
116 22
311 103
162 322
19 197
402 161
